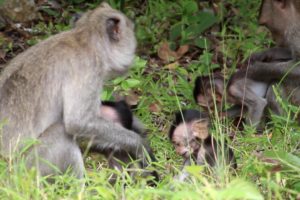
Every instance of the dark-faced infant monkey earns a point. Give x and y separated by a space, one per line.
50 93
119 112
190 136
211 92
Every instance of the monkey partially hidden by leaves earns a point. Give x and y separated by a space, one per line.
190 136
119 112
211 93
50 94
282 19
247 95
252 87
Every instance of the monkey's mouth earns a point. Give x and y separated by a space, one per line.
185 154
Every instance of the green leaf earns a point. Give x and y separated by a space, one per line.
129 83
118 80
284 157
202 43
296 186
139 62
240 189
106 95
51 12
132 82
175 31
203 21
189 7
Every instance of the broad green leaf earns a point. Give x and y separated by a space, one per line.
139 62
132 82
204 21
175 31
284 157
189 7
239 189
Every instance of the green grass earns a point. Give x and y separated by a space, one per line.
169 91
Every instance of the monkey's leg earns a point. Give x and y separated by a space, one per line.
275 54
273 105
247 92
268 72
56 152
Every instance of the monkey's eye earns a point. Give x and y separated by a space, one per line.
177 144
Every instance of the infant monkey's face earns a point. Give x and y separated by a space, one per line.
187 137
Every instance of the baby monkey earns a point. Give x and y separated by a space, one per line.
120 113
190 136
211 92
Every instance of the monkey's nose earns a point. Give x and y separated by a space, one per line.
263 21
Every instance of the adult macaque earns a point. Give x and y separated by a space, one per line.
279 65
282 19
50 93
275 65
190 136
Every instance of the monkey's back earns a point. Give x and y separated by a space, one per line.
31 88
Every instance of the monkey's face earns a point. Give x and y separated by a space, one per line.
187 137
114 37
208 92
209 99
109 114
276 16
121 38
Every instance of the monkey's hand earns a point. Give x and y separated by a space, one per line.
276 54
145 153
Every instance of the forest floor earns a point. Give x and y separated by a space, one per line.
211 38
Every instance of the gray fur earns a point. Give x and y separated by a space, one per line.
57 83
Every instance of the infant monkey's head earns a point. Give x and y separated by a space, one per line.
188 130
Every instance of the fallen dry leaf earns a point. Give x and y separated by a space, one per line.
166 54
154 107
276 168
172 66
182 50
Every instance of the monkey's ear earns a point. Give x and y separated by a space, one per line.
105 5
200 128
113 28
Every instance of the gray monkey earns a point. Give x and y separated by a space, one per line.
50 93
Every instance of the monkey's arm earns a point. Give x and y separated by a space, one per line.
275 54
83 120
266 72
233 112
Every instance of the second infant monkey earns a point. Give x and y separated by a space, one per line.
211 91
190 136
